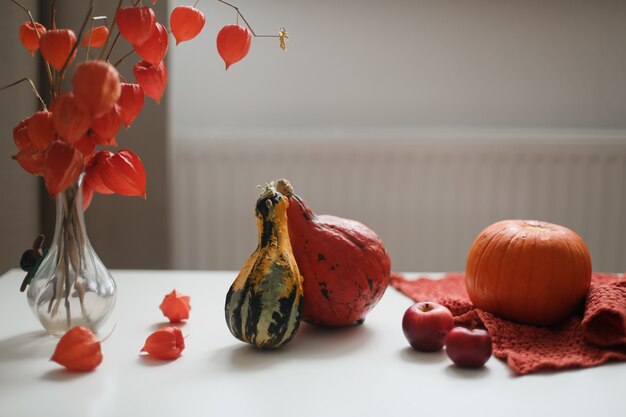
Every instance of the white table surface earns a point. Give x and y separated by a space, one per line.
366 370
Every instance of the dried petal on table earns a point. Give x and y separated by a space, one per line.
78 350
166 343
175 306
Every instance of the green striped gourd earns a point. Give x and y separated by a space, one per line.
264 304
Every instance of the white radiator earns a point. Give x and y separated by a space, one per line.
427 196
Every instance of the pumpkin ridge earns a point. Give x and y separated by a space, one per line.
484 253
496 301
531 277
571 264
583 253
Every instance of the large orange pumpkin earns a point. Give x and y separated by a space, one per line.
528 271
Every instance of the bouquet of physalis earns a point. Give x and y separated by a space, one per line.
70 141
75 133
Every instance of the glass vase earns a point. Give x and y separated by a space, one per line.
71 287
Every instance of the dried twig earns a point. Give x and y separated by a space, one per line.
75 47
32 21
106 42
32 85
246 22
93 19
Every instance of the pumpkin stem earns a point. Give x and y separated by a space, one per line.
284 187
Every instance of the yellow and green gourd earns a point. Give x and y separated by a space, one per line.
264 304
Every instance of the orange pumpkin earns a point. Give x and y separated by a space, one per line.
528 271
344 264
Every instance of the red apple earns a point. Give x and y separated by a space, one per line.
425 325
469 348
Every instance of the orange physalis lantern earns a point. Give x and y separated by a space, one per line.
96 87
154 49
29 37
62 166
166 343
20 135
86 146
124 174
40 129
30 159
78 350
175 307
152 79
186 23
70 121
130 102
96 37
233 43
107 125
87 195
94 170
56 45
136 23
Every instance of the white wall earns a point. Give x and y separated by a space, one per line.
538 64
515 72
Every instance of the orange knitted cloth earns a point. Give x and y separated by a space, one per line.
592 339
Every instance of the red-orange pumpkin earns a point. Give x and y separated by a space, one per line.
528 271
344 264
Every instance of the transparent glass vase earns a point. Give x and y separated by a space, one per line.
71 287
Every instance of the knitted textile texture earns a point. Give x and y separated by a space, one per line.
599 335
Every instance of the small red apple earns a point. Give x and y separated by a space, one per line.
468 348
425 325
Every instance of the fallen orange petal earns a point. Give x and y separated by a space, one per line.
78 350
176 307
166 343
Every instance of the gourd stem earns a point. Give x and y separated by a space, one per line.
284 187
